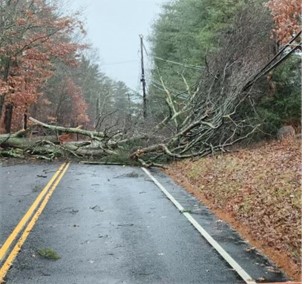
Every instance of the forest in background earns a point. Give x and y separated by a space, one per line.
197 39
222 72
48 71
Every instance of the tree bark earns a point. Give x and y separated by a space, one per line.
8 115
95 135
7 140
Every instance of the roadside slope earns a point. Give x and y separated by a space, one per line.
256 190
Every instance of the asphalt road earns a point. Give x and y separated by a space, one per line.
112 224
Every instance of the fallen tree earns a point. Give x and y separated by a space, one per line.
206 123
93 144
220 111
214 115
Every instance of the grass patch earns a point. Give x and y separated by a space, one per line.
48 253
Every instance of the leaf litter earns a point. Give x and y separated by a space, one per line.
258 191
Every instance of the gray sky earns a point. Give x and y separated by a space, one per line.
113 28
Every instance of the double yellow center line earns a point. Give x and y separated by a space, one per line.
27 222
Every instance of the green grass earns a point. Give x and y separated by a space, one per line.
48 253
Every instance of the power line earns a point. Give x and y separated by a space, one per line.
179 63
158 85
273 63
120 62
190 66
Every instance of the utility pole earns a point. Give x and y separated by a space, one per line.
143 80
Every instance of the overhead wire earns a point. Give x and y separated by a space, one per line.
190 66
271 64
159 85
120 62
195 67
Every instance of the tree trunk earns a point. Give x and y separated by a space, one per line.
13 141
2 99
5 77
8 115
25 118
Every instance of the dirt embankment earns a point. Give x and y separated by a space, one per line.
257 191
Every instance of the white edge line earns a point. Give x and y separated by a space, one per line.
241 272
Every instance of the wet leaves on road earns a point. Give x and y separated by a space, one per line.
260 189
96 208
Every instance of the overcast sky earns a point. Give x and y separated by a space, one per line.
113 28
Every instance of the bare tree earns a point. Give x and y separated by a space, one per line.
214 114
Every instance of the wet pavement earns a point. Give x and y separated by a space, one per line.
112 224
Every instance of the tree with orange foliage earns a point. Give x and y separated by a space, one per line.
33 37
76 104
287 17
